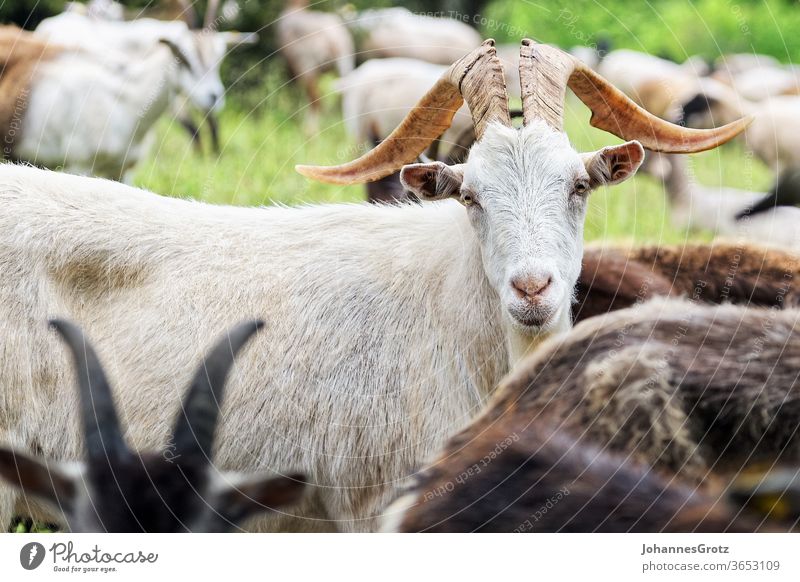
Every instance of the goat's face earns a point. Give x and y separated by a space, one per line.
198 56
525 192
151 492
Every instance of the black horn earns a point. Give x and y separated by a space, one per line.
194 430
100 422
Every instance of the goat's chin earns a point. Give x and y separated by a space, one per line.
534 320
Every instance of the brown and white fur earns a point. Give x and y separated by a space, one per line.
685 387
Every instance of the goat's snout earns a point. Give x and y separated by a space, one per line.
530 288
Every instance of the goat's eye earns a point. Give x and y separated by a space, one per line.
468 199
581 187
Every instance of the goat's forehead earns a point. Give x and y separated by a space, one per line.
535 151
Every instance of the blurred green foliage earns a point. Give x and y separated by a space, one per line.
28 13
672 28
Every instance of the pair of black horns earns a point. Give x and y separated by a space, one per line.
193 435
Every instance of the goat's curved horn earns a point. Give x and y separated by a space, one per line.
100 422
193 435
545 72
477 78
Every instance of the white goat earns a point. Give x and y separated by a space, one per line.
654 83
378 95
774 135
314 42
202 51
717 209
733 64
386 326
397 32
756 84
92 114
201 54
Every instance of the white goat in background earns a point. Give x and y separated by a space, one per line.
774 135
91 111
398 32
313 42
378 95
767 218
386 326
201 52
655 83
86 114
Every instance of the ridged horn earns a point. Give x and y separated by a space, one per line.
545 73
477 78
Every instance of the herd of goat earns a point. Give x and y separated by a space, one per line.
454 360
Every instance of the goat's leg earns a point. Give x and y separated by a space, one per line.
311 124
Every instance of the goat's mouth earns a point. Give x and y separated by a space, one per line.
534 319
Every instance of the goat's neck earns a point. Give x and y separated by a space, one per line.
150 86
521 345
678 182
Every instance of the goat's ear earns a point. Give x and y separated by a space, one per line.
613 164
260 493
432 181
51 482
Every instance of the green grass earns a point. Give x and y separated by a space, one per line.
263 138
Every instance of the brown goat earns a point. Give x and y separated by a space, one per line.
615 278
682 386
530 479
700 392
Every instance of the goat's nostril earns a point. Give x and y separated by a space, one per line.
530 287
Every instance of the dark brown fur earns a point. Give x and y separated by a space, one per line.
615 278
695 391
686 387
525 478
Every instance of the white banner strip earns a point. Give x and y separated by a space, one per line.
731 557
